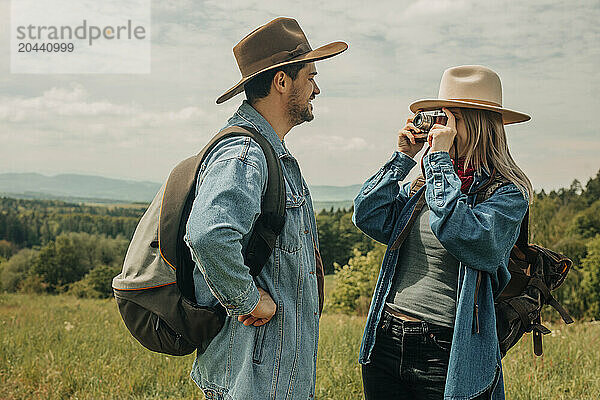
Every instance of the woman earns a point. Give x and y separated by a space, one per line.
428 334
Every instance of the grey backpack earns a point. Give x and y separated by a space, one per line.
155 291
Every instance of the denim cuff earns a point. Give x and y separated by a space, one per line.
400 164
245 303
437 161
440 177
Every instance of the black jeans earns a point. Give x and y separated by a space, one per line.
409 361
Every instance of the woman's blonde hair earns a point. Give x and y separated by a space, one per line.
487 147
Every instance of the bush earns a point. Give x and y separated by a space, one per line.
83 290
587 222
73 255
96 284
574 247
33 284
7 249
590 281
338 237
355 282
16 269
101 277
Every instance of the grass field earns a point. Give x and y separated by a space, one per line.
60 347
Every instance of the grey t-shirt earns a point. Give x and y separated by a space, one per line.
426 277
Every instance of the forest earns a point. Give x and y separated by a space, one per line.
49 246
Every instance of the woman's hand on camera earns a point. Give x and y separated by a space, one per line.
407 143
441 137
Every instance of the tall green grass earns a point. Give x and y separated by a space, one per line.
60 347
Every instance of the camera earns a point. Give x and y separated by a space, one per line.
424 121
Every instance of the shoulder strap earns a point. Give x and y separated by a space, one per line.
496 182
274 199
179 194
415 185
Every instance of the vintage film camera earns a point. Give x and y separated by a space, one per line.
424 120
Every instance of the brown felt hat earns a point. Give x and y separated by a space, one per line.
471 86
279 42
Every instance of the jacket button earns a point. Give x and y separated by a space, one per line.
306 231
312 272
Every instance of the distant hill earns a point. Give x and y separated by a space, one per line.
334 193
88 188
77 187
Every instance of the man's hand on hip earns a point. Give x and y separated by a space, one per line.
262 313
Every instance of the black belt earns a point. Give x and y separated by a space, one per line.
390 323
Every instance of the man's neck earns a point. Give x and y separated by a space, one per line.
274 115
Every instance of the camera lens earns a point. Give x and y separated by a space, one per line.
418 120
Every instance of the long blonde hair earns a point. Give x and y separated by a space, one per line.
487 147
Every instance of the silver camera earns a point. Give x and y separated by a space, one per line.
424 121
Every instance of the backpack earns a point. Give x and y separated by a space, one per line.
155 290
535 271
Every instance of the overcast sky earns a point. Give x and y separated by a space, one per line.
139 126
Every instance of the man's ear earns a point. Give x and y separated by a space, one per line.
280 82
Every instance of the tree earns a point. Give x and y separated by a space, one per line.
66 260
590 282
96 284
587 222
7 249
16 269
592 189
355 281
338 237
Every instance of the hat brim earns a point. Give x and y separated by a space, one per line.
323 52
508 116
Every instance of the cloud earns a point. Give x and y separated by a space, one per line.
546 53
74 102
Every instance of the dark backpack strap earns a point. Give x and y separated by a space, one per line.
486 191
271 220
415 185
495 182
178 198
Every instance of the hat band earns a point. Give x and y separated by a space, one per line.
285 55
275 59
483 102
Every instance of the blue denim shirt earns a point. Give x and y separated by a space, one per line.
278 359
479 236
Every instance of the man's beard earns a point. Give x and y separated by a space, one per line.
298 110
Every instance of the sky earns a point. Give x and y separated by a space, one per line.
138 126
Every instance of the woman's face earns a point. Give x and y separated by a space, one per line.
461 133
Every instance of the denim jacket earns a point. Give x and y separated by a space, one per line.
277 360
479 236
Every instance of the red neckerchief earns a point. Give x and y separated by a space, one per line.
465 175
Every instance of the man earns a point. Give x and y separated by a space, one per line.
268 345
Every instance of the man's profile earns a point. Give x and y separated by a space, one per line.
268 344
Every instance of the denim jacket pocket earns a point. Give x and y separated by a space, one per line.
289 240
259 340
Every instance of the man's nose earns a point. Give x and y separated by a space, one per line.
316 89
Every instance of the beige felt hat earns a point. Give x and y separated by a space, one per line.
471 86
279 42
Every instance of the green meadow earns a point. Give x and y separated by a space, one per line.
61 347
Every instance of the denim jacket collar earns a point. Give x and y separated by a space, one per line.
246 115
481 176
